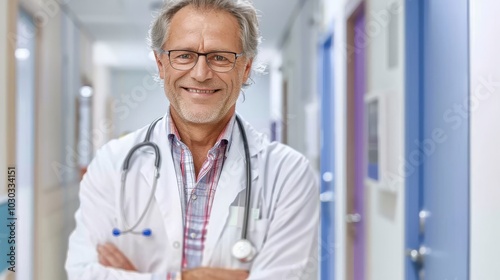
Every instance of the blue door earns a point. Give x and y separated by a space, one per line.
437 139
327 160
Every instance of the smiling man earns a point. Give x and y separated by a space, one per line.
201 194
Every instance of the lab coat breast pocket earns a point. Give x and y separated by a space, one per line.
257 231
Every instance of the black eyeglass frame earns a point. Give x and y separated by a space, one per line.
198 54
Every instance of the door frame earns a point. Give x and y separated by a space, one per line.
353 10
413 126
326 84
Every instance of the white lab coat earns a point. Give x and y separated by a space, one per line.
284 190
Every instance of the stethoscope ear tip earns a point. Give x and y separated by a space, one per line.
116 232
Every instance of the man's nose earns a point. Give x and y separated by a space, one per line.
201 71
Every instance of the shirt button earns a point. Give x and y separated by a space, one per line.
192 235
194 197
176 245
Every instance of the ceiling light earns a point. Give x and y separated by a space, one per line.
22 53
86 91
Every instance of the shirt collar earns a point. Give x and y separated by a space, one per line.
225 136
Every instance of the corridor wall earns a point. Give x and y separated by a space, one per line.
8 26
59 74
295 80
485 135
137 99
8 10
384 200
299 72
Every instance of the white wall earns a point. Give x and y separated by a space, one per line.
485 136
299 68
385 202
102 117
276 94
255 108
86 59
137 99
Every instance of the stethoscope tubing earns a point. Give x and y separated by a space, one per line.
248 190
125 168
147 143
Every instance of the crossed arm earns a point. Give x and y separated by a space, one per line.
290 249
112 257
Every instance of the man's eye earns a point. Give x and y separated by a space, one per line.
184 56
220 58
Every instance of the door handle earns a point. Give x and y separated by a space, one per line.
353 218
327 177
418 256
423 215
327 196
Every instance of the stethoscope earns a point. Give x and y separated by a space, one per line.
243 249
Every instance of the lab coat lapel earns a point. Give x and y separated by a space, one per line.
167 194
232 181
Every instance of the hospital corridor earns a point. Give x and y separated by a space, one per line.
394 104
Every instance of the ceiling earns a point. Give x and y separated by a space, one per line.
120 27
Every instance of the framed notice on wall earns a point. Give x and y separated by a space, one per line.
376 134
382 138
373 147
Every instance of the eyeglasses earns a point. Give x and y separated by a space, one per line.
219 61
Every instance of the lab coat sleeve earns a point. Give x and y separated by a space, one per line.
290 250
94 221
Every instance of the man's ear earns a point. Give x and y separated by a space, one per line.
248 70
159 64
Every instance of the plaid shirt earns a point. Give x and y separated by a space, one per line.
198 195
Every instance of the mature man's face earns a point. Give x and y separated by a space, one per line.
201 95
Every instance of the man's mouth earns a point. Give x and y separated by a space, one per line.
200 91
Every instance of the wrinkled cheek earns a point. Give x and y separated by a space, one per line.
169 88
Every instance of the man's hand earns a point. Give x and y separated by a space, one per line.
110 256
208 273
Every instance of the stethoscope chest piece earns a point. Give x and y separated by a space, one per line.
244 251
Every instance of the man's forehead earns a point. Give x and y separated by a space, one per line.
195 25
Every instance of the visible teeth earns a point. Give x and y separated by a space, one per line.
200 91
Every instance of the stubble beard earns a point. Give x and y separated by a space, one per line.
209 115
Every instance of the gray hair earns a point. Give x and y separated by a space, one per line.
242 10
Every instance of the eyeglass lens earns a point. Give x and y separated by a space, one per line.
217 61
